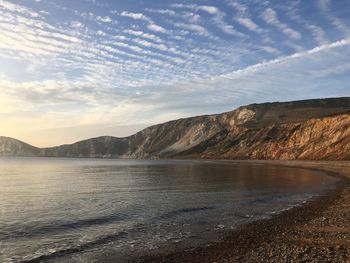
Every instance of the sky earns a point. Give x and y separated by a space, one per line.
71 70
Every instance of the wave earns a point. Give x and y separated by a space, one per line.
77 249
108 238
60 227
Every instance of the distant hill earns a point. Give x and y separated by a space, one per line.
309 129
13 147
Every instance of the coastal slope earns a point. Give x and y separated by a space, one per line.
13 147
309 130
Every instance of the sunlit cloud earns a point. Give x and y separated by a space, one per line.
103 69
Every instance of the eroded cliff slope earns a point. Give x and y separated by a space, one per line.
310 129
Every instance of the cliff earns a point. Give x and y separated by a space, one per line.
309 129
13 147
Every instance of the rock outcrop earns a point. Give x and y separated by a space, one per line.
309 129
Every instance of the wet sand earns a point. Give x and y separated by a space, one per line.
318 231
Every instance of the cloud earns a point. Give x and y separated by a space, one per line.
270 17
195 28
297 75
243 17
248 23
161 47
219 20
156 28
271 50
226 28
131 47
151 25
191 17
286 59
136 16
241 8
218 17
209 9
53 51
18 9
104 19
162 11
99 75
76 25
317 32
325 6
144 35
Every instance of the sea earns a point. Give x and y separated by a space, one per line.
95 210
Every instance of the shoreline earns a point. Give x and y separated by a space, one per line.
293 235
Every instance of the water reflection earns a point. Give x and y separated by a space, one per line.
80 208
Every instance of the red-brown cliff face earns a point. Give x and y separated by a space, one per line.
315 139
311 129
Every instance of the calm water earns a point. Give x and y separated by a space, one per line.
83 210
